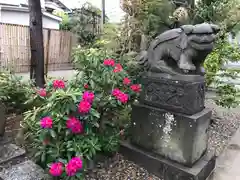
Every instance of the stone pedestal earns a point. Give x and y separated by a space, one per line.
181 94
169 127
181 138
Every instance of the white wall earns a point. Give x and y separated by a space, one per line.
18 2
22 18
50 23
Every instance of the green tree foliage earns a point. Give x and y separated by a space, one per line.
65 24
83 23
226 14
149 18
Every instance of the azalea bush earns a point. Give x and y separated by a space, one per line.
75 120
88 63
14 91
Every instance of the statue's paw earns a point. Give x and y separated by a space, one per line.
187 66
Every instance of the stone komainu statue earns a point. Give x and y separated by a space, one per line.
181 50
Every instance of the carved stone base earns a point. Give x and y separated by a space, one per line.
178 137
166 169
181 94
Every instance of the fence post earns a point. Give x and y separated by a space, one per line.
47 53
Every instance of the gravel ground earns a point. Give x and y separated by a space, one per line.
121 169
225 123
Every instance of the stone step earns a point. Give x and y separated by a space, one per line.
26 170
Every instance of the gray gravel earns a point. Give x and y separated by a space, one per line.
121 169
225 123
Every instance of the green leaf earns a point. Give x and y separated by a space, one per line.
64 161
79 175
53 133
95 113
43 157
37 154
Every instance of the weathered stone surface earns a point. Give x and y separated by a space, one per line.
10 151
27 170
178 137
165 169
181 94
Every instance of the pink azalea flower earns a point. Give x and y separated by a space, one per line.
123 98
56 169
58 84
86 86
126 81
84 107
74 125
77 162
71 169
118 68
73 166
46 122
116 92
88 96
136 87
42 92
109 62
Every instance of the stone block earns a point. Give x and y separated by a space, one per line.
166 169
178 137
183 94
9 152
27 170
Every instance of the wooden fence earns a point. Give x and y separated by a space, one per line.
15 48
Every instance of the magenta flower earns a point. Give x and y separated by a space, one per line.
56 169
116 92
77 162
136 87
46 122
109 62
88 96
73 166
123 98
74 125
84 107
58 84
71 170
42 92
126 81
118 68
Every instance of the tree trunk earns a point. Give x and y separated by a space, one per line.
36 42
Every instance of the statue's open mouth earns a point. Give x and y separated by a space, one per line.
207 44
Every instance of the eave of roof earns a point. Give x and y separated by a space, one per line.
60 2
24 9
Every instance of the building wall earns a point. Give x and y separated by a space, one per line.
22 18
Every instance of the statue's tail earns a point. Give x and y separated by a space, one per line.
142 59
